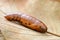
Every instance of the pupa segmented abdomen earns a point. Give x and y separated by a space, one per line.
28 21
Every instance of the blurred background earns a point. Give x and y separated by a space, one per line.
47 11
